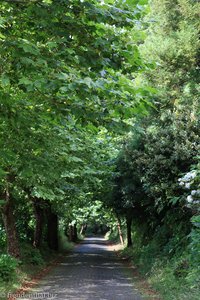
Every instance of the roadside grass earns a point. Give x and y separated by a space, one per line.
160 274
171 287
33 265
64 245
24 273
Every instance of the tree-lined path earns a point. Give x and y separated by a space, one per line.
100 133
92 271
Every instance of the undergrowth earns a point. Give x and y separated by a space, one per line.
14 272
171 270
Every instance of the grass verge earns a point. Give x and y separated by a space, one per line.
157 278
33 266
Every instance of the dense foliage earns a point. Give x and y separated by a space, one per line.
157 171
66 89
99 123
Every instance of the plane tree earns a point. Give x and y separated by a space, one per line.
67 71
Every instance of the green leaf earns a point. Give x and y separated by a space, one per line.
5 80
2 37
2 202
75 159
63 76
143 2
28 47
88 81
25 81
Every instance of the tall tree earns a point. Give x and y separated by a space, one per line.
67 72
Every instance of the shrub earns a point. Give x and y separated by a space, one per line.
181 269
8 265
194 250
2 239
31 255
64 244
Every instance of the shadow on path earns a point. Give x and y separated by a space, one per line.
90 272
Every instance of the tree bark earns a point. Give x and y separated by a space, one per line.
75 233
70 233
120 231
52 229
128 224
39 217
83 228
10 226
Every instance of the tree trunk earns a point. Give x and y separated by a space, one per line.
75 233
39 217
82 229
128 224
52 229
10 227
70 233
120 231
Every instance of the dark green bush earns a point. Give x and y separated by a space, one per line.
8 265
31 255
194 252
2 238
181 269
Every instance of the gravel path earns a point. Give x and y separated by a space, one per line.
91 272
